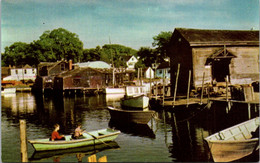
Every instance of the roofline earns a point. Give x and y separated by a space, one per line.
219 43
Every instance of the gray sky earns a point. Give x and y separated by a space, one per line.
131 23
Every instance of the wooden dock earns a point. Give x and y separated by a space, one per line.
169 102
180 101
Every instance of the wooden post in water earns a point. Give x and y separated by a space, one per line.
176 84
188 90
249 111
138 77
23 139
150 81
141 80
156 89
163 85
202 89
226 87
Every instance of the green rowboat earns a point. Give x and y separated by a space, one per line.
90 138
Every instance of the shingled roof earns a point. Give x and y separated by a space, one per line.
197 37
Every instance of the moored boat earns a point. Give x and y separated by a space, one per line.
86 150
138 102
8 90
135 97
235 142
132 116
114 91
90 138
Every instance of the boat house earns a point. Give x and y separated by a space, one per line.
215 55
46 71
89 79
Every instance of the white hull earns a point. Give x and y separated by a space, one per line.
135 102
114 91
235 142
9 91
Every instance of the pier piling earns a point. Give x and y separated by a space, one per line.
24 157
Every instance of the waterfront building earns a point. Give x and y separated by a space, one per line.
218 55
24 73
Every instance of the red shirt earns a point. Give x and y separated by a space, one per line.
55 135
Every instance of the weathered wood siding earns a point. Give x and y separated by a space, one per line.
244 69
58 68
245 66
84 79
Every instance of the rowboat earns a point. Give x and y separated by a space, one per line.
131 116
86 150
235 142
90 138
135 97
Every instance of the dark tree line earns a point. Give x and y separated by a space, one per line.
61 44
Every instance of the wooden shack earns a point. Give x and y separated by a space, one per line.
215 53
88 79
46 71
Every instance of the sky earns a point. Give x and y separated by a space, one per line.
132 23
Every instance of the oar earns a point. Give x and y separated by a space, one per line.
98 139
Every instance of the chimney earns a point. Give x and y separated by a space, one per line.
70 64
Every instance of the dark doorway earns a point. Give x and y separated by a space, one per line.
220 69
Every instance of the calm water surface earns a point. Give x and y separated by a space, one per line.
175 135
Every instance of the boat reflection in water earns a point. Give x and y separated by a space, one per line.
79 152
142 130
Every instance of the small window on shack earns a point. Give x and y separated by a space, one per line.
76 82
62 67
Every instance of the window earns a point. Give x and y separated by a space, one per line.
62 67
33 71
76 82
16 71
25 71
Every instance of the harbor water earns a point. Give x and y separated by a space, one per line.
173 135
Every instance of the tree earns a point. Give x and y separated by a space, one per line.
16 54
52 46
62 43
91 54
161 43
147 56
115 54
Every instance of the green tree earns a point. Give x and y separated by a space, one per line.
161 43
16 54
91 54
52 46
147 56
63 44
115 54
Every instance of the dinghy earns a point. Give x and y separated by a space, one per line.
90 138
235 142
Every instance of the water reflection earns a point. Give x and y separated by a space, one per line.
173 135
79 153
142 130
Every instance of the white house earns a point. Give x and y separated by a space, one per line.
149 72
131 61
24 73
165 66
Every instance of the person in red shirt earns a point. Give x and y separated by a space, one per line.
55 134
